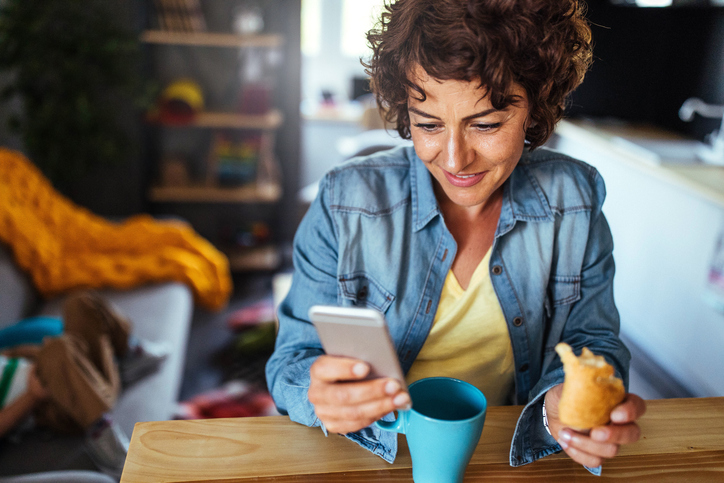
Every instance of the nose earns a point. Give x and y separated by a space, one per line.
456 154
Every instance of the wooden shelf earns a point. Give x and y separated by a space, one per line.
208 119
258 193
210 39
256 258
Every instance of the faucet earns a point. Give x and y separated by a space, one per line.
713 153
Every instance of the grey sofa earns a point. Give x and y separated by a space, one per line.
160 312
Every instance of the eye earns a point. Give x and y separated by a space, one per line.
486 127
426 127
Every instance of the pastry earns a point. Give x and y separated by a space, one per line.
591 390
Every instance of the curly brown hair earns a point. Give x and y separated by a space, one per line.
542 45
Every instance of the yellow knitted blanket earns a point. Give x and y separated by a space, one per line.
64 246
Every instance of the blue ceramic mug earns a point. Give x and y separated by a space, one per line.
442 428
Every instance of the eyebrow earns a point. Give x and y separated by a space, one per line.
466 118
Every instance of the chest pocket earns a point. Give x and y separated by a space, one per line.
562 291
362 291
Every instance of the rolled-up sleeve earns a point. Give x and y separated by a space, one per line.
313 282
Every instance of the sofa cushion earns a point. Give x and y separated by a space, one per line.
159 313
17 295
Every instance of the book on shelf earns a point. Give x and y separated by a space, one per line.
161 16
198 21
234 158
180 15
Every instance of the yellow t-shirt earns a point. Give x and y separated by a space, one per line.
469 339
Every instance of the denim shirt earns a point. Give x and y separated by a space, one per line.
375 237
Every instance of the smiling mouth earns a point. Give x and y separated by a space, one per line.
464 180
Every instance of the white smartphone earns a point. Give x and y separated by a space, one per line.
358 333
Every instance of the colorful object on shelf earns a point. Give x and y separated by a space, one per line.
180 101
235 157
256 234
255 99
63 246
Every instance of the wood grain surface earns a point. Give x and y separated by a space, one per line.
683 440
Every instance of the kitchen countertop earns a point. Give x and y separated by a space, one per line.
701 179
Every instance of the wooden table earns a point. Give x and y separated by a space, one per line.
683 441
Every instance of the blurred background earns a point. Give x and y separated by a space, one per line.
240 106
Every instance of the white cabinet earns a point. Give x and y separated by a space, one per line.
665 223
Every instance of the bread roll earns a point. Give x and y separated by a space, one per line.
590 390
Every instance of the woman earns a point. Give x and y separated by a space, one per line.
482 251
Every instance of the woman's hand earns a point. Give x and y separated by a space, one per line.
601 442
344 402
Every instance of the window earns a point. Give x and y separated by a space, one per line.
358 16
311 27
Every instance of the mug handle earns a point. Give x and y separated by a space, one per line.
399 425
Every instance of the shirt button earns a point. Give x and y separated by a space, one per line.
518 321
362 294
497 270
523 368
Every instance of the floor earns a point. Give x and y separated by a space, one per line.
211 359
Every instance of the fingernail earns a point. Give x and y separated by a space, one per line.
359 369
564 436
392 387
599 435
618 417
401 400
564 444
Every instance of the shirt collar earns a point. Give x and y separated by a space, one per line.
424 203
523 198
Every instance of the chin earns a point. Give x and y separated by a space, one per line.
466 201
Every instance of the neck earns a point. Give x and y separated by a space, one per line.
484 210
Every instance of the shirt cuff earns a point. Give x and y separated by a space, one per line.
531 441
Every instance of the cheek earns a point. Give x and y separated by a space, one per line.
499 154
425 147
503 149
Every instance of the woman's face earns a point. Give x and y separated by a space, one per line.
469 147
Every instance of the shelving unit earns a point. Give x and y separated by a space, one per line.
210 39
258 193
269 121
203 192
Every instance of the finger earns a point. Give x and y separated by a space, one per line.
580 456
353 393
617 433
355 417
332 369
632 408
587 445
